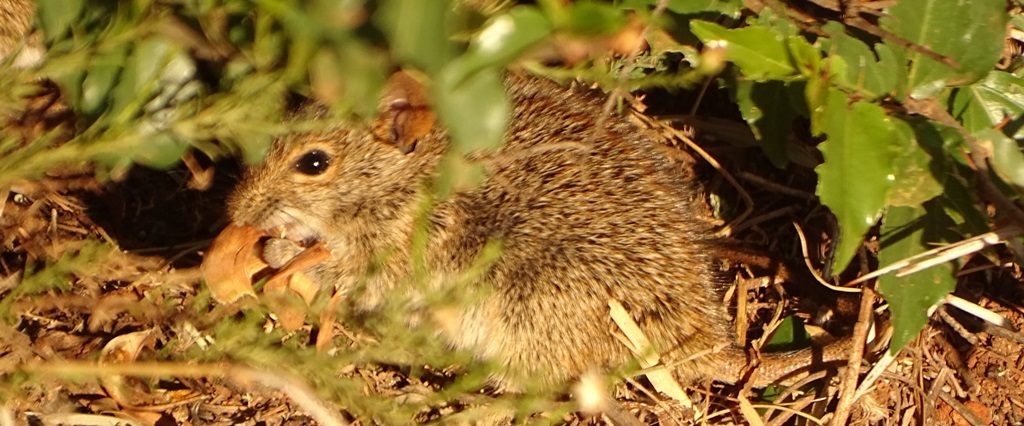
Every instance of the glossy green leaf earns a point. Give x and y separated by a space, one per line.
907 231
760 52
918 168
864 72
987 103
969 32
854 181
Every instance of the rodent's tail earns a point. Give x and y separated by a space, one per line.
784 368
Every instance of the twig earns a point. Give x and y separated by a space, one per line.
775 187
5 191
657 400
967 414
848 385
876 371
764 218
810 267
795 409
856 21
747 199
619 415
748 411
700 95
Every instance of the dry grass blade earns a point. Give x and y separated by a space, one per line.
661 379
293 386
750 414
944 254
80 419
977 311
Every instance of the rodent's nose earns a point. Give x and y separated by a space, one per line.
245 205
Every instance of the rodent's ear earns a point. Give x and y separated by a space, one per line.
404 113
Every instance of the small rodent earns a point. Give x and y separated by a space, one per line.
586 207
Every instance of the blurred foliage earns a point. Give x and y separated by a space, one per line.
149 80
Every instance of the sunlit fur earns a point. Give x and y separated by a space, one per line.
586 205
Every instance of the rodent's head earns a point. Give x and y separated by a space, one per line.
346 182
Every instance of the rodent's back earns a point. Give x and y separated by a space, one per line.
588 208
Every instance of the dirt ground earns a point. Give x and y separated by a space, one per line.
136 305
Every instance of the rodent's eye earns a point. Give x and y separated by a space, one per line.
313 162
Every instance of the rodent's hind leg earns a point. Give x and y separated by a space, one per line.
278 251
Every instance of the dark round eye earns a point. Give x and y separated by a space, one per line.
313 163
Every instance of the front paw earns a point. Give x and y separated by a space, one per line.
278 251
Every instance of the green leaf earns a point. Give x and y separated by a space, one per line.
103 73
57 16
817 94
767 108
504 38
864 73
969 32
918 168
725 7
588 17
943 144
907 231
417 30
893 61
855 179
155 65
987 103
474 108
687 7
960 204
161 150
761 53
349 77
1007 159
790 335
806 57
